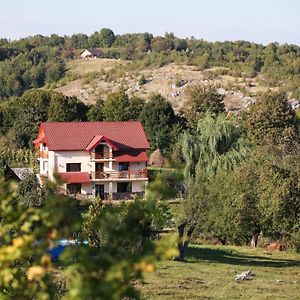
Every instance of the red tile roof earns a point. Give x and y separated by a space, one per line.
132 156
75 177
97 139
78 135
39 140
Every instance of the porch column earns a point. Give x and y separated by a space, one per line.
110 163
110 189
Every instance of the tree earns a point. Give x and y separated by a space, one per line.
180 44
26 234
158 117
66 109
106 37
216 145
121 247
30 192
160 44
271 120
95 112
118 107
202 99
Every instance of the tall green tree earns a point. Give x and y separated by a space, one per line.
271 119
202 99
217 145
119 107
158 118
106 37
95 112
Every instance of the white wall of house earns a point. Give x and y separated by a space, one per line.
65 157
134 166
85 54
51 164
138 186
87 188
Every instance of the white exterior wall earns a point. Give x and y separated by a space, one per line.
138 186
51 164
87 188
65 157
135 166
85 54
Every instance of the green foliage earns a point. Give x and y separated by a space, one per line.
30 192
202 99
26 269
95 112
119 107
121 246
160 44
107 37
23 115
15 158
217 144
66 109
29 68
142 80
272 120
158 119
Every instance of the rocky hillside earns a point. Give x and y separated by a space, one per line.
93 78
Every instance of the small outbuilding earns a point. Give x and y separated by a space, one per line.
91 53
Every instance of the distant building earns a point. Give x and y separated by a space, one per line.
91 53
103 159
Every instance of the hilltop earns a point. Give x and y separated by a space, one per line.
98 77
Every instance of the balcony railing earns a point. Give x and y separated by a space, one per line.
43 154
120 174
101 155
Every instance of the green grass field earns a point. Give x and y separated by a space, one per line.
209 273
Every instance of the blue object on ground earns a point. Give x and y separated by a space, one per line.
56 251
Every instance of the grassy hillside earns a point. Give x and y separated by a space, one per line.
209 273
93 78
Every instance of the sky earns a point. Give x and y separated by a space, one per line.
261 21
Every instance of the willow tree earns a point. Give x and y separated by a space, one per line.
217 144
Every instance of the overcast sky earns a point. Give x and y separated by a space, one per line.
261 21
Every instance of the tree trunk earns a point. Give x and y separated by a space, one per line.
180 239
254 239
182 245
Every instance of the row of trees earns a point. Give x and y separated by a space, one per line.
242 176
39 60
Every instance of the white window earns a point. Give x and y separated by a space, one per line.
44 147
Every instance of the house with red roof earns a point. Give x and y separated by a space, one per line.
103 159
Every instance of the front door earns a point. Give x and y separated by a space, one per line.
99 191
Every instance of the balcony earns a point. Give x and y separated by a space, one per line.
111 175
43 154
101 155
